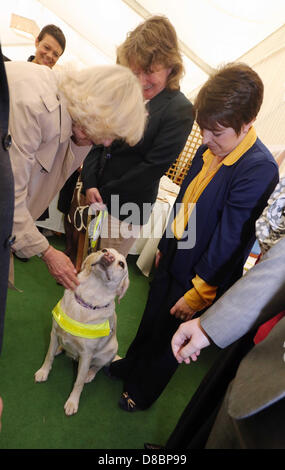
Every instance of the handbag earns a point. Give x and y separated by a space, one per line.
86 218
78 212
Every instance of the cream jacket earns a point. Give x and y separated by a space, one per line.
42 153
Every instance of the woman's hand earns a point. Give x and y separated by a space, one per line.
61 268
182 310
93 195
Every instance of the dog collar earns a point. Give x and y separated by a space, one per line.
77 328
85 304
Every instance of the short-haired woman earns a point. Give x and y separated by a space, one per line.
131 175
50 45
211 231
54 120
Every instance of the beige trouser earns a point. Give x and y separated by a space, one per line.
117 234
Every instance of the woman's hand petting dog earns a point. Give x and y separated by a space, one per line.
61 268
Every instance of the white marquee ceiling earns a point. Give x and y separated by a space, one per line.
211 32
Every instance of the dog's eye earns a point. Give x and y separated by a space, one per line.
121 264
104 250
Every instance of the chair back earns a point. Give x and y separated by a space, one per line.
180 167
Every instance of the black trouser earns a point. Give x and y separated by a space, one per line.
149 363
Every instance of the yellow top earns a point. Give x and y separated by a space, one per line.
202 294
77 328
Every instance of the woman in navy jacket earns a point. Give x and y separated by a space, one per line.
211 231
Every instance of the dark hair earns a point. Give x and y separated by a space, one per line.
153 42
55 32
231 97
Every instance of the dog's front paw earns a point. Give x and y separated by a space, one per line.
41 375
70 407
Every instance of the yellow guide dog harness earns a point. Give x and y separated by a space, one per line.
77 328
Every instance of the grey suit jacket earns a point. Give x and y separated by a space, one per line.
255 298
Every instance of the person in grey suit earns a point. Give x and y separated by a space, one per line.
253 407
6 195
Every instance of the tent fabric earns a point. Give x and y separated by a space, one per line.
216 31
268 60
211 33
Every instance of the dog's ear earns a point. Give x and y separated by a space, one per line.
122 289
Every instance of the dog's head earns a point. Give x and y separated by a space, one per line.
111 267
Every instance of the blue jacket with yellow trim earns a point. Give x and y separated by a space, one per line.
224 220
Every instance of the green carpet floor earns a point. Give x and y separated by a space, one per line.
33 416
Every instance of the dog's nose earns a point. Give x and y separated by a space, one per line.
107 258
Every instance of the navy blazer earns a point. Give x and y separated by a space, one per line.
224 220
6 194
133 173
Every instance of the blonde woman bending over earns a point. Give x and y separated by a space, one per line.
54 119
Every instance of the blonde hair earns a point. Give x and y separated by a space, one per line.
153 42
106 101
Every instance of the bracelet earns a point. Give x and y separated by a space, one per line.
41 255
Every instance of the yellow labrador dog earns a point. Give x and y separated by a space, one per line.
84 321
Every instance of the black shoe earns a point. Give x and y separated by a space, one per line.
127 403
149 446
